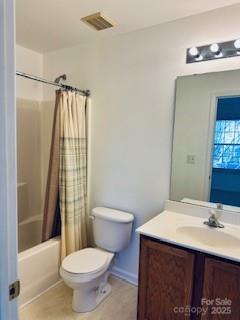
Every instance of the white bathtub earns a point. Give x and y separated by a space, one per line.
38 269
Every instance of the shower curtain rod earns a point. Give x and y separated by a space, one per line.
52 83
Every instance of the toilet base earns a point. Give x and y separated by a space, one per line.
91 294
81 304
104 292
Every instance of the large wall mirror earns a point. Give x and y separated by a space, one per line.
206 140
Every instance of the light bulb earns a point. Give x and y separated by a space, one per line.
194 52
199 58
237 44
215 48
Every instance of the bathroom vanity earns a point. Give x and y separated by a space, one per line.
188 270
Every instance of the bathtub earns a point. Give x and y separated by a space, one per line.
38 269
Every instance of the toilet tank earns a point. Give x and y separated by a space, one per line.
111 228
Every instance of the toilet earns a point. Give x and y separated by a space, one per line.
86 271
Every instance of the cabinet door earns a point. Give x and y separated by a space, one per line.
165 283
221 290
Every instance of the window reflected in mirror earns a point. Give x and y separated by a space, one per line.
225 177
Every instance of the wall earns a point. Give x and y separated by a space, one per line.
132 80
31 62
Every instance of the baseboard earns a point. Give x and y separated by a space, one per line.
124 275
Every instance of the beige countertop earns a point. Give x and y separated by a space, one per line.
187 230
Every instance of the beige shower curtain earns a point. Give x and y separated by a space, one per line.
71 163
51 215
73 172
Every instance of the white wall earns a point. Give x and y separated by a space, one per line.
132 80
31 62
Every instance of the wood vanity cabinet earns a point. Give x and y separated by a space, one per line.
222 280
172 278
166 276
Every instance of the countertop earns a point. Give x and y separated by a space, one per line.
189 231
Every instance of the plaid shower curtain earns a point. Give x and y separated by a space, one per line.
73 172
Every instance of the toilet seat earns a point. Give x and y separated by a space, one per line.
86 261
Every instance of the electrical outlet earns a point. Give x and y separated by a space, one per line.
191 159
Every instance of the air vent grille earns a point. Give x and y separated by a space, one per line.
98 21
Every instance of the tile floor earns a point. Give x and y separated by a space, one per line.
56 305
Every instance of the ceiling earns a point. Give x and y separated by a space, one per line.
48 25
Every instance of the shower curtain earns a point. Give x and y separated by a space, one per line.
69 160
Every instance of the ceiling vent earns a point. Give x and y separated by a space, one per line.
98 21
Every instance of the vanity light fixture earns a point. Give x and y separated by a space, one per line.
213 51
215 48
237 45
194 52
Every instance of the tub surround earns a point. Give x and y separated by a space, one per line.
182 224
29 233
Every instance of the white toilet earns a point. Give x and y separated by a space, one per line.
86 271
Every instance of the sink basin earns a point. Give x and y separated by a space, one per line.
211 237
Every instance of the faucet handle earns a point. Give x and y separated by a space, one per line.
214 214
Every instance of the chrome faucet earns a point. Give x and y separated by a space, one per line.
213 219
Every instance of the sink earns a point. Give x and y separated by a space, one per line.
211 237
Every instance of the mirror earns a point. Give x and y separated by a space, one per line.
206 140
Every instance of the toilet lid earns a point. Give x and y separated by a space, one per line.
85 261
